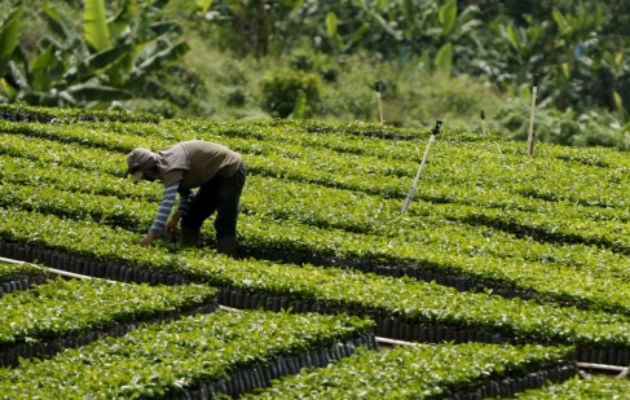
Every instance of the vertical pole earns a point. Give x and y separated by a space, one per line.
414 187
531 136
483 122
380 106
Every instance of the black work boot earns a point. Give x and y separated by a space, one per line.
189 237
227 245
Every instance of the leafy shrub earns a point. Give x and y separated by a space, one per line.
302 62
329 74
236 98
570 128
232 73
282 89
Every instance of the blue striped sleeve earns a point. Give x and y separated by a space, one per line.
184 202
164 210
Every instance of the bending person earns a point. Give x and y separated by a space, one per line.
217 171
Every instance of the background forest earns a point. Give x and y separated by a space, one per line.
327 59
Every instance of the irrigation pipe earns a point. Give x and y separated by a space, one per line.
603 367
11 261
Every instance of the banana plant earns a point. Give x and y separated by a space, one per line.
113 60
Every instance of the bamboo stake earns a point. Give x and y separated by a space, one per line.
380 106
414 187
532 135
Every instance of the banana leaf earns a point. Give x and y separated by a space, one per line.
40 80
172 53
9 35
55 22
95 25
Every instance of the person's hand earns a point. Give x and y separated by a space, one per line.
171 225
148 239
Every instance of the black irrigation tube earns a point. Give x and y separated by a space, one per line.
387 325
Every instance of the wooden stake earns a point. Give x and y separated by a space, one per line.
380 106
414 187
531 135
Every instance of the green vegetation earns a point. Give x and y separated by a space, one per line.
11 271
498 246
414 301
596 387
69 308
113 59
168 359
426 372
464 230
448 59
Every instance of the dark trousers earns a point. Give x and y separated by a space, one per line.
221 195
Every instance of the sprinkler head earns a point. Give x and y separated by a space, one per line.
436 128
483 114
536 79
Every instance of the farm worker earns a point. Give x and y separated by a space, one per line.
217 171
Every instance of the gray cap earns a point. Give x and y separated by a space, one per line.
138 161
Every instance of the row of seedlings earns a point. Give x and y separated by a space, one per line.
402 308
172 134
196 357
457 372
560 229
19 276
67 313
591 388
454 164
468 214
22 112
463 271
265 239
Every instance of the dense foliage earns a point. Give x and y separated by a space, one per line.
412 300
168 358
581 51
542 251
596 387
464 229
12 271
112 59
325 59
63 308
426 372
